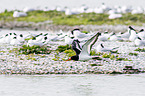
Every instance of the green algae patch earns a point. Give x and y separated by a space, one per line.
35 49
133 54
140 50
62 48
70 52
96 64
122 59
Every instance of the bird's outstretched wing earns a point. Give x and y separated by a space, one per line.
86 48
76 46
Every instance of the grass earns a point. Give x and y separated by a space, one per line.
140 50
133 54
62 48
59 18
31 50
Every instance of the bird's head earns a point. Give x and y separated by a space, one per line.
76 58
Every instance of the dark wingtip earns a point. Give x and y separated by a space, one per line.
98 33
139 38
102 45
141 30
130 27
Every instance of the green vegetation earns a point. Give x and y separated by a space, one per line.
96 64
62 48
31 50
93 52
106 55
56 56
86 32
59 18
133 54
122 59
70 52
140 50
31 57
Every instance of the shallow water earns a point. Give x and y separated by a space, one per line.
72 85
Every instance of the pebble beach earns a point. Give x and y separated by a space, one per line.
13 63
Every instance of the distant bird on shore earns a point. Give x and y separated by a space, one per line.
84 52
139 42
19 14
141 34
20 38
133 34
101 48
77 34
15 41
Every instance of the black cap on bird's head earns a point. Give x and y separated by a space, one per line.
76 29
139 38
121 33
99 33
14 33
113 33
72 32
21 35
40 33
6 35
37 35
102 45
15 38
45 34
45 38
106 32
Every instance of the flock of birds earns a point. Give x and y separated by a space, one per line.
82 43
115 12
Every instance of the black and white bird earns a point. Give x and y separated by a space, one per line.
84 52
101 48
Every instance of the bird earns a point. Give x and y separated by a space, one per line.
68 40
101 48
84 52
19 14
133 35
33 42
14 41
141 34
78 34
114 37
139 42
20 38
104 36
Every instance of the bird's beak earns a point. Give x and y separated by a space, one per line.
68 59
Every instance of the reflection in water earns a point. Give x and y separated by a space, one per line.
72 85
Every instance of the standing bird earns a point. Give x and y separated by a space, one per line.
84 52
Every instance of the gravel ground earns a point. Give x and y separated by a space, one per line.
11 63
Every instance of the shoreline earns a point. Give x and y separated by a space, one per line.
41 26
